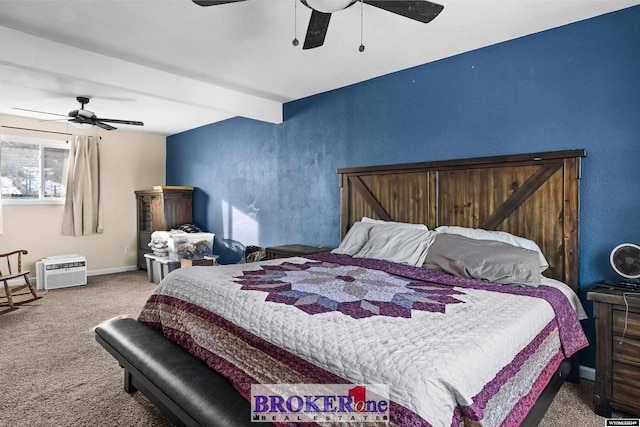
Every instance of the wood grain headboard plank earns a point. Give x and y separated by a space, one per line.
571 223
519 195
530 195
530 158
368 197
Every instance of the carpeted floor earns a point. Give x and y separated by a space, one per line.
54 373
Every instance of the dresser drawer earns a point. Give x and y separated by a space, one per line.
628 351
633 323
625 386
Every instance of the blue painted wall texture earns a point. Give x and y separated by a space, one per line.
576 86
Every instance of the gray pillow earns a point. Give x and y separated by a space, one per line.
489 260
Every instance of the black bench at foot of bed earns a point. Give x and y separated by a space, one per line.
182 386
190 393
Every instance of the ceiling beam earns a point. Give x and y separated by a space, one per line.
28 52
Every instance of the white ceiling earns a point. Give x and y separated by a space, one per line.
176 66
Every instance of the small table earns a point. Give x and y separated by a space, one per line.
286 251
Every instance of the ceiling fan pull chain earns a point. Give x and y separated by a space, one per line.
361 48
295 41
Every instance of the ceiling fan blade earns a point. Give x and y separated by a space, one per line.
103 125
317 30
214 2
92 122
42 112
124 122
418 10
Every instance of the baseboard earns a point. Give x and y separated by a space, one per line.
34 280
587 373
112 270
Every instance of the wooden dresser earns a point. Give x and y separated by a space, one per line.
617 363
161 208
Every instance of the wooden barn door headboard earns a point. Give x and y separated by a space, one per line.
530 195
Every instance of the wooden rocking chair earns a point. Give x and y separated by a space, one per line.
8 274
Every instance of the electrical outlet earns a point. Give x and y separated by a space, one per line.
127 250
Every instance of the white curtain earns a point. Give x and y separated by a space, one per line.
83 213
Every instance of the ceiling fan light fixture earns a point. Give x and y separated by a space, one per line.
329 6
86 114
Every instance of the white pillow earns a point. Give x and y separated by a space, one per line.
500 236
358 234
401 244
406 224
355 239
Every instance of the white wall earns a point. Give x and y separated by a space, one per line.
129 161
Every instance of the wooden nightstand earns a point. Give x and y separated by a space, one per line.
287 251
617 364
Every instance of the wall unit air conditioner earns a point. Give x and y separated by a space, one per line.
61 271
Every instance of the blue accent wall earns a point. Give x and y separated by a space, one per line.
576 86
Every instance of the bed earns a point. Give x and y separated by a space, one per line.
393 305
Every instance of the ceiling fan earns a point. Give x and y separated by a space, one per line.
418 10
83 116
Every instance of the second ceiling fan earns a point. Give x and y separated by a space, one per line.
86 117
419 10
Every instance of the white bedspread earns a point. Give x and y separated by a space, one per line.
434 362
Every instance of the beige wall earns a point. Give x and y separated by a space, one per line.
129 161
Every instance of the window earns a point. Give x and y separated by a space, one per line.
33 170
